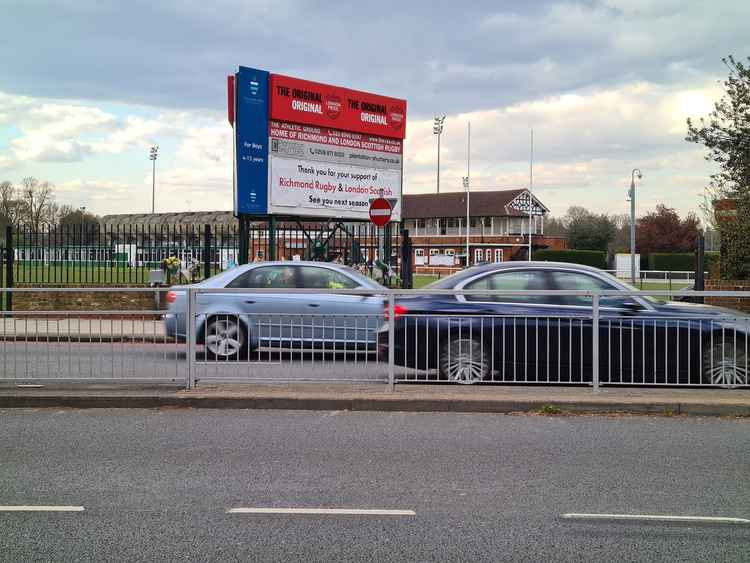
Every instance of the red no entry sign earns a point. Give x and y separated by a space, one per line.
380 211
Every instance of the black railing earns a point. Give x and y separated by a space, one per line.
127 254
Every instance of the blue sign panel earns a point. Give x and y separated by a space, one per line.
251 137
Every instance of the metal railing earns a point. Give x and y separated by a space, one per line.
270 335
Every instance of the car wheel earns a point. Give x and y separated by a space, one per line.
225 338
465 361
724 362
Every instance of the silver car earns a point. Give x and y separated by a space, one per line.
232 324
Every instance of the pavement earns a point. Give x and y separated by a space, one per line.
407 397
80 329
165 485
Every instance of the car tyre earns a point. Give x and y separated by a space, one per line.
725 362
225 338
464 360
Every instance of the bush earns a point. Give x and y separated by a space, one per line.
672 262
713 264
596 258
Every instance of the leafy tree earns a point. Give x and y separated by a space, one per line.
664 231
589 231
726 135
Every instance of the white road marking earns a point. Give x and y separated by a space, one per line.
325 511
25 508
658 518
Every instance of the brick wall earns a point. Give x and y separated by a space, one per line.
738 303
85 300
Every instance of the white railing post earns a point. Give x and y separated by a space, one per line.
595 342
391 341
190 338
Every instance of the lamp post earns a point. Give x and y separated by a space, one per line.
633 174
437 129
153 153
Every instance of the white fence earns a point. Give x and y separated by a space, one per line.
589 338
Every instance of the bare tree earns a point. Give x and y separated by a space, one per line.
37 203
10 205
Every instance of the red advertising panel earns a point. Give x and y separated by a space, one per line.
313 103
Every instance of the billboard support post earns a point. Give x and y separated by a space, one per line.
243 246
272 255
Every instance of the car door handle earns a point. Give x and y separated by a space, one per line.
250 302
313 305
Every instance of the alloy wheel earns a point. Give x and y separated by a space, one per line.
224 338
464 361
725 363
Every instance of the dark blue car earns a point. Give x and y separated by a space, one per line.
548 339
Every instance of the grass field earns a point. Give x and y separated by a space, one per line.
72 275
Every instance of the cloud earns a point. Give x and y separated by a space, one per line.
177 54
586 143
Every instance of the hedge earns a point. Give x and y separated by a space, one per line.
596 258
672 262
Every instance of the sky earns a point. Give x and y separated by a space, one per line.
87 86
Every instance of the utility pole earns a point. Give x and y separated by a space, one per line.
633 175
437 129
153 153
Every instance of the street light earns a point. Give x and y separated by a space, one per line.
437 129
633 174
153 153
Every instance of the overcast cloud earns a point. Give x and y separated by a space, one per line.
86 86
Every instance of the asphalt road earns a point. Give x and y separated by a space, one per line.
156 485
30 360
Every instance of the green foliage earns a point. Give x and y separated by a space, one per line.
713 264
589 231
725 134
735 242
672 261
549 409
596 258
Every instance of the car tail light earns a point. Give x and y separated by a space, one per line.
171 297
398 311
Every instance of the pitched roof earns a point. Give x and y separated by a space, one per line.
453 204
183 218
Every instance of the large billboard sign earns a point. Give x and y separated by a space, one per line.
324 151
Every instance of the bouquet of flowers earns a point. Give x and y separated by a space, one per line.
171 264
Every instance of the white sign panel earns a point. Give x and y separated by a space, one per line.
316 172
442 260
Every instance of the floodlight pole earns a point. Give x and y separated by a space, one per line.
152 156
437 129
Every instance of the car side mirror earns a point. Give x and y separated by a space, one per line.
632 306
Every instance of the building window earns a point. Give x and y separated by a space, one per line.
434 251
498 255
451 222
488 255
419 252
420 223
450 252
478 253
